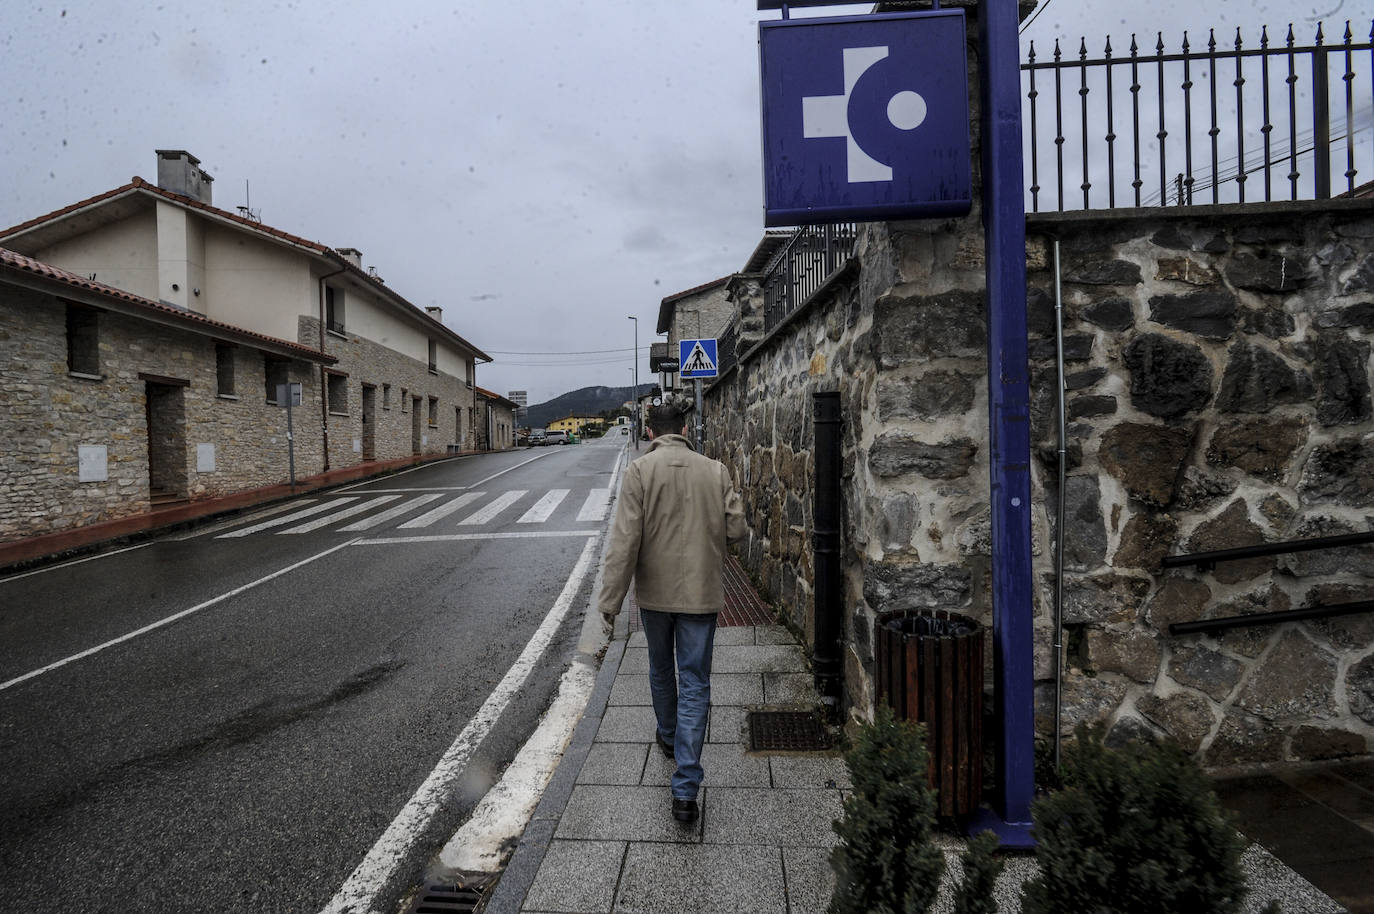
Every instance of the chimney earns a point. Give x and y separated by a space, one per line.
177 171
353 256
435 312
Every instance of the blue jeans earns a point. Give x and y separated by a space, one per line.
681 701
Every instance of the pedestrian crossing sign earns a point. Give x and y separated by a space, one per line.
697 359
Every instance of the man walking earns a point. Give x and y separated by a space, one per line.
677 511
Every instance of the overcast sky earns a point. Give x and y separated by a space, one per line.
539 170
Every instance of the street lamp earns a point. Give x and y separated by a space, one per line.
636 374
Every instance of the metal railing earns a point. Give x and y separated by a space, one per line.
1286 90
802 265
726 356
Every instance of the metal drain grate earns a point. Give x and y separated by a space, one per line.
786 731
444 898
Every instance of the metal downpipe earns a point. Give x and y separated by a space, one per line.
826 549
1059 515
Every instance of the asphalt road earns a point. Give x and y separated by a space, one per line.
247 755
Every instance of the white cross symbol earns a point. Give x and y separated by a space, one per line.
828 115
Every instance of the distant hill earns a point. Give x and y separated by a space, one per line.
585 402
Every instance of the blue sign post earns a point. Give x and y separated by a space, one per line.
865 117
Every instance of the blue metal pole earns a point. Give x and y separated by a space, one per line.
1004 231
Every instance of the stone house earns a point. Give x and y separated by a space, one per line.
1218 395
110 402
398 382
697 313
495 420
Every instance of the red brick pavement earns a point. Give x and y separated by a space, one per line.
743 606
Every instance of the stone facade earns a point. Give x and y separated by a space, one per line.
49 414
397 381
1218 375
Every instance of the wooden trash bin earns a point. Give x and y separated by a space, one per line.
929 669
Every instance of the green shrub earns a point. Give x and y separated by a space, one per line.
885 862
981 869
1133 830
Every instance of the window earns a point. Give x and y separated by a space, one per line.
434 411
276 375
333 309
403 399
224 370
433 356
472 377
338 393
83 341
386 396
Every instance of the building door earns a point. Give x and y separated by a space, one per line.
415 425
369 422
165 408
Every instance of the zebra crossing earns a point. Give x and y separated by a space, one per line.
437 512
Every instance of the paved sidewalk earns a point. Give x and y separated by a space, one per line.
603 840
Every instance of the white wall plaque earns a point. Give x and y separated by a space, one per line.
205 458
92 462
357 446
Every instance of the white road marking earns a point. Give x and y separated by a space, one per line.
293 505
169 620
91 558
390 514
459 537
348 512
290 518
359 892
594 508
417 489
421 466
544 507
444 510
496 507
488 836
508 469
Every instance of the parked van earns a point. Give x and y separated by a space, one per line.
556 437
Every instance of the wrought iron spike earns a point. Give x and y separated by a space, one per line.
1239 43
1264 36
1321 36
1083 48
1159 46
1057 53
1347 31
1212 40
1135 47
1186 46
1030 58
1109 46
1290 34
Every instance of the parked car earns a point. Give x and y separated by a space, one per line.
556 437
538 438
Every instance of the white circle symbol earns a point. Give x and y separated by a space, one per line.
906 110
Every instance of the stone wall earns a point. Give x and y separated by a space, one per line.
47 414
1219 394
368 362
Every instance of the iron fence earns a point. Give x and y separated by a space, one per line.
726 356
802 265
1288 90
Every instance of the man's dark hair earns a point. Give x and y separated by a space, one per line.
665 420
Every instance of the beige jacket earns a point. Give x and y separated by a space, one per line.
676 513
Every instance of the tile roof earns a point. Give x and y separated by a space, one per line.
138 185
493 395
202 323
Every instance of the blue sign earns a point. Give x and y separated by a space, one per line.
697 359
865 118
